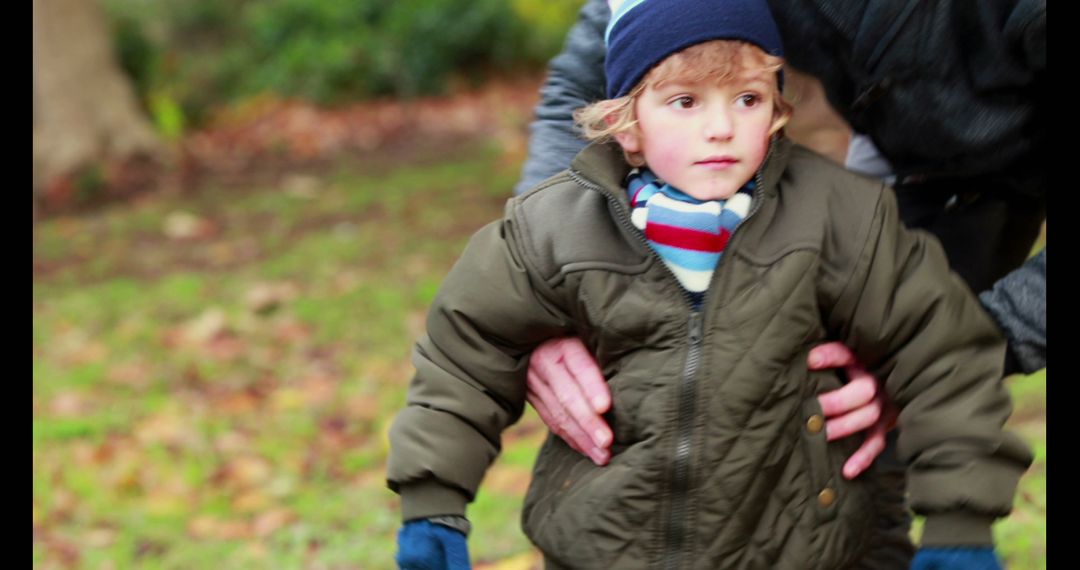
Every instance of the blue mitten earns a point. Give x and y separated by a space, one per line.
958 558
424 545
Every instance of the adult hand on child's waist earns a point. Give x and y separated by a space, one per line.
569 392
858 405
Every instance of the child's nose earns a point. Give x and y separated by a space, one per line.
718 126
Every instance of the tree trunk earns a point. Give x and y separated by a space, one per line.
85 109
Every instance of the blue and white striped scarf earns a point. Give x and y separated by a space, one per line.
688 234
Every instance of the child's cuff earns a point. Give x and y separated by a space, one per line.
958 529
429 499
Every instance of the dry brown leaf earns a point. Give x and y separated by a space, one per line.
363 408
206 326
286 399
180 225
232 442
165 503
89 353
257 550
203 526
166 427
237 403
99 537
250 501
319 389
225 347
70 404
301 186
131 374
248 471
269 522
66 552
291 331
235 529
264 297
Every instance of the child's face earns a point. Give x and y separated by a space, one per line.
706 139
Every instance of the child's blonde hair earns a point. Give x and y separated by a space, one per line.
714 61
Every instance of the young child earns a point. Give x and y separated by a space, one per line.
700 256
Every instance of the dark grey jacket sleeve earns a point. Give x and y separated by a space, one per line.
575 79
1018 304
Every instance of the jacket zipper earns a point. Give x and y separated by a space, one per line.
675 531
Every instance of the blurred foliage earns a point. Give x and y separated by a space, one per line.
188 57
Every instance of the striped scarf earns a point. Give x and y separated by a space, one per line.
688 234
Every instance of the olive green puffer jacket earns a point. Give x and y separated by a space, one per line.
720 459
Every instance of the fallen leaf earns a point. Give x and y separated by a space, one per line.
99 537
131 374
256 549
235 529
165 503
89 353
206 326
250 502
270 521
301 186
285 399
281 487
291 331
70 404
165 427
67 552
203 526
319 389
237 403
225 347
182 225
232 442
248 471
264 298
363 408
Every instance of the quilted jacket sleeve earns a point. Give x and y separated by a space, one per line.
919 328
470 374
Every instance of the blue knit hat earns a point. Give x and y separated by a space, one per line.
641 33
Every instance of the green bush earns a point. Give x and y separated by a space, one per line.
201 53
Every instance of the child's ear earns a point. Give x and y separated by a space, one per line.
629 140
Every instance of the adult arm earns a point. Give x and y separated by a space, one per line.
1018 304
575 79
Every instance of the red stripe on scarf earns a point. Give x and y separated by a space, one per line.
686 238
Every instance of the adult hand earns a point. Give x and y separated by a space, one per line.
424 545
568 390
858 405
569 393
968 558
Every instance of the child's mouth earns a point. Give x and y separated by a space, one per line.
718 163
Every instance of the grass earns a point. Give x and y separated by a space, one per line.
178 424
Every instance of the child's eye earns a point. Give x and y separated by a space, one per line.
748 100
683 102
